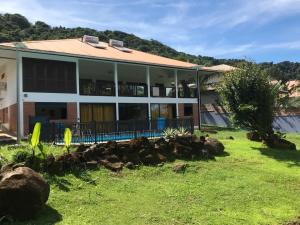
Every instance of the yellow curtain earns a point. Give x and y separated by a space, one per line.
108 113
86 112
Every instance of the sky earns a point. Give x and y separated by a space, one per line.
258 30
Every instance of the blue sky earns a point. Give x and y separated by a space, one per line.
260 30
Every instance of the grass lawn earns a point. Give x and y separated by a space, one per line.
250 185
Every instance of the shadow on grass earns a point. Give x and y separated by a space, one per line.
63 184
47 215
291 157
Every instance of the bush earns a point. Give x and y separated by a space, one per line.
21 156
249 96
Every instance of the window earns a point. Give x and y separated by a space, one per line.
128 111
188 110
163 110
52 111
50 76
97 112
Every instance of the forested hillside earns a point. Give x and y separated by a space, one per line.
15 27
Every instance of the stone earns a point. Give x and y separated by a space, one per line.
81 148
279 143
112 166
149 159
92 164
23 192
112 158
130 165
254 136
214 146
180 168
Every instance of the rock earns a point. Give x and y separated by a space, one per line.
161 157
254 136
81 148
130 165
213 146
112 166
70 160
183 151
23 192
150 159
180 168
112 158
131 157
92 164
202 138
280 143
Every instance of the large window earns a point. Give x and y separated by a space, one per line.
167 111
162 82
96 78
187 84
133 111
132 80
97 112
51 76
51 111
188 109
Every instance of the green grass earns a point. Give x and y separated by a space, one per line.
249 185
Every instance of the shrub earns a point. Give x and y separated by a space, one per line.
249 96
21 156
181 131
169 133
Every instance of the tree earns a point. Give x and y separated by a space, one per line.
249 96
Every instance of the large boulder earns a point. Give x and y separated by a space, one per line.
213 146
23 192
254 136
279 143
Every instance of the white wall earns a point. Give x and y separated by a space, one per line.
9 68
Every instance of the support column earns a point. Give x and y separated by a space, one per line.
176 88
78 90
20 120
149 92
116 89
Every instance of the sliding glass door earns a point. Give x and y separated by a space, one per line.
97 112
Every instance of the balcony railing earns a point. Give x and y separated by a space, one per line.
187 92
97 88
157 91
127 89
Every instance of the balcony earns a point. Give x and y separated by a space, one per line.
160 91
96 88
129 89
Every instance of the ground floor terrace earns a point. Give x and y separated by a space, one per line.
98 122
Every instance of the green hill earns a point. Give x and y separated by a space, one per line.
15 27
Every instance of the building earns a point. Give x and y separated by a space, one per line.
86 80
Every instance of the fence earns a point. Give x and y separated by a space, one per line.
96 132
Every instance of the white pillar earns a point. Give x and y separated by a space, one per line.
176 88
77 89
20 110
149 91
116 89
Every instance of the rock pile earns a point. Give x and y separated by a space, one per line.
115 156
